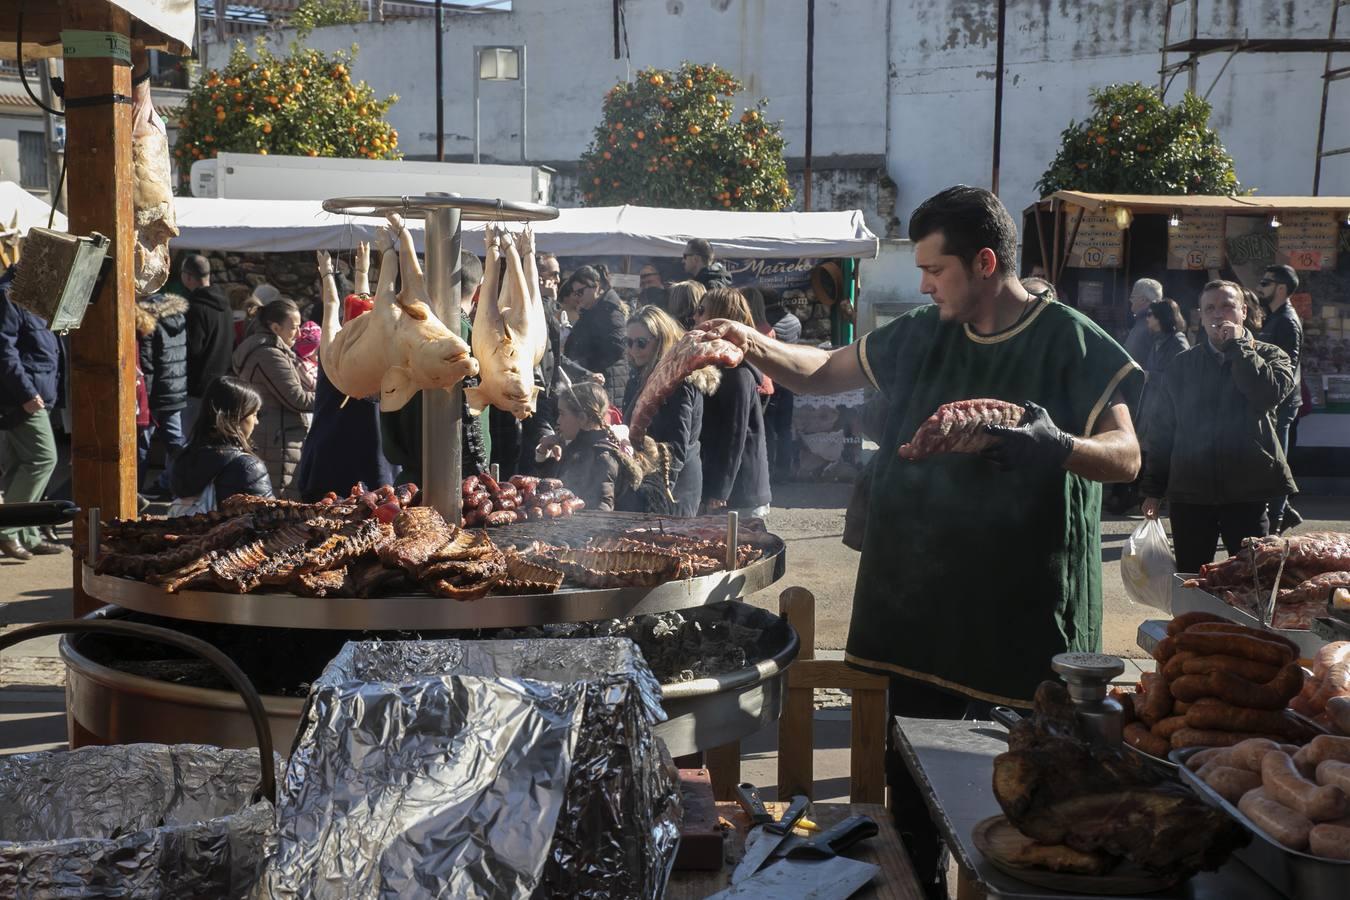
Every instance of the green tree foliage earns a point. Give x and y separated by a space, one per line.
311 14
301 104
669 139
1136 144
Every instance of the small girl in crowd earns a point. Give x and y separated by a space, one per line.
218 461
594 466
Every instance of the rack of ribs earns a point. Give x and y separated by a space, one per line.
690 353
960 427
418 533
223 534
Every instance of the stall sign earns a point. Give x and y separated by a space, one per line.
790 278
1250 245
1099 243
1196 241
1307 240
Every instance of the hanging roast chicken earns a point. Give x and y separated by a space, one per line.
400 347
510 333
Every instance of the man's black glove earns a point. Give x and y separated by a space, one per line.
1035 442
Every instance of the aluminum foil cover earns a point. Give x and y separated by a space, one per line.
478 769
133 820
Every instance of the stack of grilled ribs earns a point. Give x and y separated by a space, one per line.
339 548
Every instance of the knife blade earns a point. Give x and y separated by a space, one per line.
764 839
835 878
830 842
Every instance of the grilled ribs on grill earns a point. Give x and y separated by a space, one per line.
1056 788
418 533
222 534
960 427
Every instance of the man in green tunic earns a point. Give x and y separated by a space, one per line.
975 569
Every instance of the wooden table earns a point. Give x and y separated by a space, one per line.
895 881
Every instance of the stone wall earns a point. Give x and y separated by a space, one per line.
295 275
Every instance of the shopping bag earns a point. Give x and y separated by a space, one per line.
1147 566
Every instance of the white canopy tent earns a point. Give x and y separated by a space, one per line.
20 210
244 226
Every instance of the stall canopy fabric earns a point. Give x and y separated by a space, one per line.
20 210
1200 202
291 225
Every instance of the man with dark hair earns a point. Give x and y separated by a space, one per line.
1028 508
1283 329
649 276
550 276
1211 447
701 264
210 333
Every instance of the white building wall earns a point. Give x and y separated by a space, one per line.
10 126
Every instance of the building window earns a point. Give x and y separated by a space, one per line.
33 160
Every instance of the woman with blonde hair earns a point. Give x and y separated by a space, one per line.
682 299
735 454
678 423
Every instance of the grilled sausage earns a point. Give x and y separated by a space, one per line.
1166 647
1284 826
1169 726
1186 620
1157 703
1220 716
1231 783
1274 694
1330 841
1238 628
501 517
575 504
1174 668
1137 735
1243 645
1284 784
1203 665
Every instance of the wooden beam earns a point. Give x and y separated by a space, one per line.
102 388
796 725
867 747
833 673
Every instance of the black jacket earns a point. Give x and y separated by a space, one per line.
161 330
714 275
735 456
1283 329
1211 430
232 470
597 343
679 425
343 444
596 470
30 358
210 338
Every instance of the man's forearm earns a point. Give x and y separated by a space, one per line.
1109 456
803 369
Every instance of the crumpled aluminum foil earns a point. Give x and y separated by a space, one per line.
478 769
132 820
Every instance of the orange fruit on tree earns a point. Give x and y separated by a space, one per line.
694 129
267 128
220 116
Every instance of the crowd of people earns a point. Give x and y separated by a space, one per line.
232 398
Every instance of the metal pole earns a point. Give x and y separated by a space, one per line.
477 68
441 409
440 82
524 122
998 92
810 88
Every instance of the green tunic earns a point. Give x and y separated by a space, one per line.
972 578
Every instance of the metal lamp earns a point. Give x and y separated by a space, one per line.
498 64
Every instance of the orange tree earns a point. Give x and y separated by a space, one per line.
301 104
669 139
1136 144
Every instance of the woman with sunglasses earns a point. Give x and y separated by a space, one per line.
651 334
735 455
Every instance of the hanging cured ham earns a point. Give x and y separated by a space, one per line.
152 193
400 347
510 333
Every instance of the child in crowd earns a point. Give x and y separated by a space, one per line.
596 466
218 461
307 349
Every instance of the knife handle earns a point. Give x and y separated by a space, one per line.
838 838
796 809
747 795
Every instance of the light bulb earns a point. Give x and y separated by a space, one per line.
1174 220
1274 220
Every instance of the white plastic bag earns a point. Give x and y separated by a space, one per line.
1147 566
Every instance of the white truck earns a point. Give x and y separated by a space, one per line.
249 176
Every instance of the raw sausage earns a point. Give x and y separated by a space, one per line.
1330 655
1203 665
1274 694
1197 760
1336 774
1186 620
1194 737
1338 713
1230 783
1280 822
1284 784
1322 748
1330 841
1137 735
1246 646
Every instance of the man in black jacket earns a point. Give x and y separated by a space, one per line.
1283 329
210 333
701 264
597 341
29 366
1211 447
161 332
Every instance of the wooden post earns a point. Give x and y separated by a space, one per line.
724 769
796 765
102 387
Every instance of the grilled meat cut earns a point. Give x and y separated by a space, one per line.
221 535
690 353
960 427
1057 788
526 576
418 533
615 568
328 583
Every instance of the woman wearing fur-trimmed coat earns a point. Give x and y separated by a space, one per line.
267 363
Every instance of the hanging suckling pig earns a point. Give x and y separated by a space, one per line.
508 329
400 347
152 192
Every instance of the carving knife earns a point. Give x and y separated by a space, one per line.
835 878
764 839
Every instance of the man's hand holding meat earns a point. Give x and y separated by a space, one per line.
1035 442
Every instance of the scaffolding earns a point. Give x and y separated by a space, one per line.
1194 47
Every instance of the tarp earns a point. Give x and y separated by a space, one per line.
243 226
31 212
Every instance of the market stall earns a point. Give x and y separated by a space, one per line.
1094 246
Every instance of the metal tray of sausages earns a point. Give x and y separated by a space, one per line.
1186 600
1293 873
